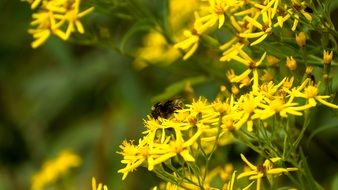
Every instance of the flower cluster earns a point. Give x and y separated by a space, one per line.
55 168
249 20
194 132
193 129
56 17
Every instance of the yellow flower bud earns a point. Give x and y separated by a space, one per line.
267 76
272 60
309 70
223 88
327 57
291 64
234 90
301 39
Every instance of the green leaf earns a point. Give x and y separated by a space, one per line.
279 49
335 183
321 129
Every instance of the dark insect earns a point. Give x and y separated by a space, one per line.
312 77
308 10
165 109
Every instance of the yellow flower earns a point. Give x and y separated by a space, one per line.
246 107
133 156
72 16
266 169
55 168
272 60
309 70
301 39
265 29
232 52
45 23
310 92
230 185
291 63
327 56
51 18
164 151
217 9
190 44
278 105
267 76
34 3
98 186
156 49
234 90
252 67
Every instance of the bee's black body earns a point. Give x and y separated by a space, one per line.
165 109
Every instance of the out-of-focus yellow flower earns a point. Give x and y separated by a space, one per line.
234 90
266 169
301 39
267 76
156 50
181 11
53 169
309 70
291 63
99 186
272 60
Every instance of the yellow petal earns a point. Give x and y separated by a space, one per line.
253 167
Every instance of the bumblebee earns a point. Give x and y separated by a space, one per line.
166 109
308 10
312 77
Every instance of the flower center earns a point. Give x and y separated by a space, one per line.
311 92
277 105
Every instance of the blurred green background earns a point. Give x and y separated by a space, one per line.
85 97
67 96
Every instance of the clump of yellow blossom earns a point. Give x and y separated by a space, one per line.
56 17
53 169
